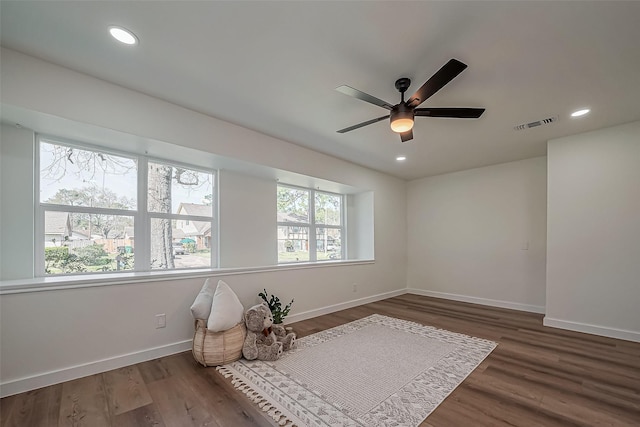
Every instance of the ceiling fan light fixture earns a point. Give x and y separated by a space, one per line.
401 119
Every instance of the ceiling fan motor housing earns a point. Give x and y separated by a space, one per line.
401 118
403 84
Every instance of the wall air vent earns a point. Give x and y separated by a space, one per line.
537 123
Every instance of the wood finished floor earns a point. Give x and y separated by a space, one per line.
537 376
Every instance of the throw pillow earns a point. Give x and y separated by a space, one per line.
201 307
226 309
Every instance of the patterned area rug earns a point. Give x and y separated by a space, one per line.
376 371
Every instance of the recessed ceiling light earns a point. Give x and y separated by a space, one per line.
401 158
123 35
580 112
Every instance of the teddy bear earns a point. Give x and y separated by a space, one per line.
288 339
261 342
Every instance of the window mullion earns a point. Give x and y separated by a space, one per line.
86 210
179 216
343 227
142 221
215 223
313 247
39 255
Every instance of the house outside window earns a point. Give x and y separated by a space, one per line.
92 202
197 231
310 225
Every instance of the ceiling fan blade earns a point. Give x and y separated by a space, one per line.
458 113
363 124
443 76
406 136
348 90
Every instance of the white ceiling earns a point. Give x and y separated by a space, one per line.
273 67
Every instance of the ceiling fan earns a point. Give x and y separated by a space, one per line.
402 114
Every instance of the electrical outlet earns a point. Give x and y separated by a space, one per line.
355 287
161 321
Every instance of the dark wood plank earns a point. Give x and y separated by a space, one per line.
153 370
145 416
84 403
125 390
179 365
178 404
37 408
6 407
479 408
230 411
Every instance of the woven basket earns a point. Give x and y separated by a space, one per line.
218 348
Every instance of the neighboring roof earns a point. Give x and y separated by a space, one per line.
202 227
177 233
283 217
79 235
195 209
57 223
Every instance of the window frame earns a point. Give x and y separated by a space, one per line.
141 215
313 226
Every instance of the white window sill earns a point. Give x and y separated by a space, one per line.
49 283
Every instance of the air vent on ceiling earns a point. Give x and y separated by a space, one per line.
537 123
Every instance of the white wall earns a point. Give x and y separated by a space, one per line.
360 233
593 243
16 221
467 234
248 212
91 329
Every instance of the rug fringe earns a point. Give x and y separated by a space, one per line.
255 396
224 371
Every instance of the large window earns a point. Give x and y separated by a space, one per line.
101 211
310 225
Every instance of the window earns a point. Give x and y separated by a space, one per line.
101 211
310 225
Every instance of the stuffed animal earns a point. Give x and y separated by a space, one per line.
261 342
288 340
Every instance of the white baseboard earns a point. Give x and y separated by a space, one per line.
622 334
342 306
482 301
73 372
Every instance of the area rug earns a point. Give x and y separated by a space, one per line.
376 371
